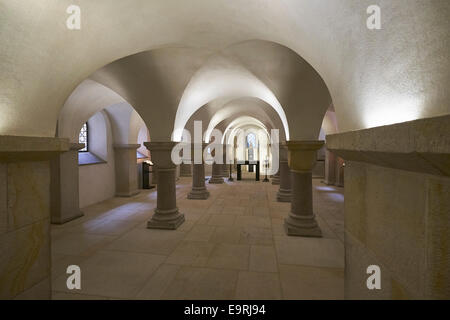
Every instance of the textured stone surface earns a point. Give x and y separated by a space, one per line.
125 169
421 145
398 220
25 244
438 239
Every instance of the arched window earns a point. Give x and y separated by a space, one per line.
83 137
251 146
251 140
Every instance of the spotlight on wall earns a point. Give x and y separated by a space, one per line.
389 110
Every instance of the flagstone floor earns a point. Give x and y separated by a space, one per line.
231 246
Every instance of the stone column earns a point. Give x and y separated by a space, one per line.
284 193
340 165
217 171
65 198
25 195
166 214
302 158
199 190
185 170
276 178
330 168
125 162
225 172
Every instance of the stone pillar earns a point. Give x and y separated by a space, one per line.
302 158
216 176
284 193
217 171
330 168
166 214
65 198
340 164
25 215
225 171
185 170
199 190
276 178
125 162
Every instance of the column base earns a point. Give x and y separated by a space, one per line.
170 220
127 194
216 180
284 195
198 194
304 226
276 180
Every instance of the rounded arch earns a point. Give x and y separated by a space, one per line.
221 77
86 100
91 97
243 107
366 83
239 122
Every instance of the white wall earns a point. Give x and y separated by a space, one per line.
97 181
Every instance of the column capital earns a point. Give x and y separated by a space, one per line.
126 146
161 152
160 145
302 154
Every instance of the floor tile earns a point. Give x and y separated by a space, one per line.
258 286
263 259
230 256
202 283
114 274
300 282
193 253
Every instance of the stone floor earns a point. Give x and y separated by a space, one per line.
232 246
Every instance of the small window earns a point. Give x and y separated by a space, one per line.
83 138
251 140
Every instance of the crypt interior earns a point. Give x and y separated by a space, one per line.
334 153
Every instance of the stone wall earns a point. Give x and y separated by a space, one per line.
400 221
25 215
397 209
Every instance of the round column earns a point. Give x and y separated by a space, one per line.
284 193
276 178
217 170
217 173
225 172
166 214
185 170
199 190
302 158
